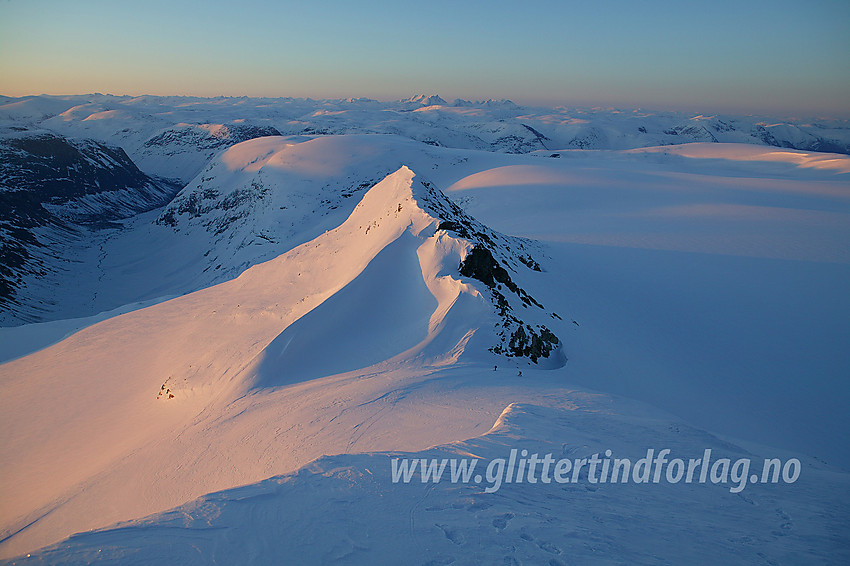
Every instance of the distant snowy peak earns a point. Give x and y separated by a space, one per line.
590 137
423 100
694 132
790 136
360 100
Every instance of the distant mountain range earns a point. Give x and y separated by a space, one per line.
156 130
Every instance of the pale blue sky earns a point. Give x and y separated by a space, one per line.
720 55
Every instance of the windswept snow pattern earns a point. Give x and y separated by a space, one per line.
224 372
308 513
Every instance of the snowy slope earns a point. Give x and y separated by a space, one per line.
382 287
346 510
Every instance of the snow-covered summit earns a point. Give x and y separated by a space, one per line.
423 100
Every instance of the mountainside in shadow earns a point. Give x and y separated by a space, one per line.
53 191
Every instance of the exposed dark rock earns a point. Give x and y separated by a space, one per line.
200 138
480 264
540 137
693 132
590 138
491 260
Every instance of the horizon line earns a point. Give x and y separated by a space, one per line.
578 105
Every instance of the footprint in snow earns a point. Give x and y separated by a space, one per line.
786 525
543 545
452 534
479 506
502 521
549 547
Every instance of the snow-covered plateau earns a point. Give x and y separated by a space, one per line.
226 323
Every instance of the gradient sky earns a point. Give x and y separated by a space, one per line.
742 55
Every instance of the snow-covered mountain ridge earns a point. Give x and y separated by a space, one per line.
382 290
